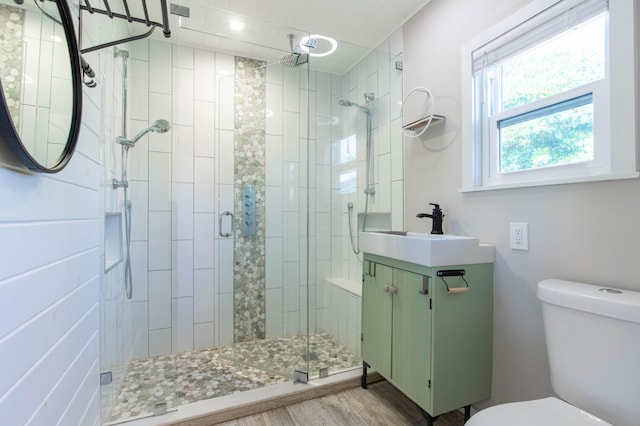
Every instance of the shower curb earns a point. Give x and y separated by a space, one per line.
272 403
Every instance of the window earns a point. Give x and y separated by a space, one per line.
541 92
347 161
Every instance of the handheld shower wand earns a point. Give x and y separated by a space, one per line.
159 126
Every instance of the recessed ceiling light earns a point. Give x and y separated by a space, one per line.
236 25
328 44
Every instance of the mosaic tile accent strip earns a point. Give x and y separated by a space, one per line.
11 52
249 252
209 373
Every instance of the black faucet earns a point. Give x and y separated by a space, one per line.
437 216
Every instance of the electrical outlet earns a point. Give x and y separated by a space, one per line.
520 236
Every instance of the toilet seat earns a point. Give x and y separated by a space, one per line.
547 411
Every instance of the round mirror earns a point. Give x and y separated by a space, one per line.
41 84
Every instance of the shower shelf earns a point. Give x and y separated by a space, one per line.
151 25
437 119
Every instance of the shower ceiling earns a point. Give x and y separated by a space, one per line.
358 25
361 22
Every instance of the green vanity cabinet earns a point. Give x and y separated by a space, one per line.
432 344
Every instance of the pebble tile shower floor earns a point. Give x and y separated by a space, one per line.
208 373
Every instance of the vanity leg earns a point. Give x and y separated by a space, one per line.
363 379
428 417
467 413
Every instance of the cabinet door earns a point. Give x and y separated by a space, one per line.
411 353
376 318
462 339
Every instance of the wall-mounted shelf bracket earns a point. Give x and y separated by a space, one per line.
434 120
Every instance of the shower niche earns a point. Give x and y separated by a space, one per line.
112 240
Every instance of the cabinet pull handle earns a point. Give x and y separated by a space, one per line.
425 285
374 269
386 289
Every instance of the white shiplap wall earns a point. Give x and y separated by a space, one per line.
50 266
49 282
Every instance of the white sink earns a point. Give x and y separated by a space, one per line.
426 249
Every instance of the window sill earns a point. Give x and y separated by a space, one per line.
562 181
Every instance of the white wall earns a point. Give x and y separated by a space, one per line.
50 267
585 232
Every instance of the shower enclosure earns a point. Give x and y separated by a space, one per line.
243 275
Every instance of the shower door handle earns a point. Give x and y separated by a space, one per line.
222 215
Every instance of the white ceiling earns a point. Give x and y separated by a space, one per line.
361 22
358 25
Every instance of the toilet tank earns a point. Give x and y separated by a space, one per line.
593 344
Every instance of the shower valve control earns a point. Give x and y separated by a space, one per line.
248 211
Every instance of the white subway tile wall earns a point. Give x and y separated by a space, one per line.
375 73
188 181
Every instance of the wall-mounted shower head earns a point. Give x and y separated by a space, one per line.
368 97
159 126
346 103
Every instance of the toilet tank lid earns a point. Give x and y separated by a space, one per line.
601 300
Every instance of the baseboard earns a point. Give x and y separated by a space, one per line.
251 408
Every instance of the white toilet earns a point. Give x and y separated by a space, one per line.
593 345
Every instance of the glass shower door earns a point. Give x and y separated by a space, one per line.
261 243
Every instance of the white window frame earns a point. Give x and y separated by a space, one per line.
614 103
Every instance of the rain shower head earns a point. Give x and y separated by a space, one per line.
296 57
159 126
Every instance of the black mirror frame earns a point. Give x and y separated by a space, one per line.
8 132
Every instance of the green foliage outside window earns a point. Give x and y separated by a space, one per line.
571 60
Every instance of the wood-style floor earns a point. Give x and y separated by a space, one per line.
380 404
